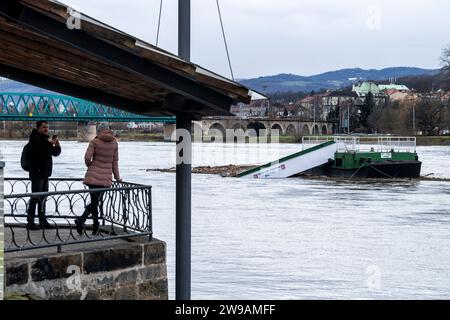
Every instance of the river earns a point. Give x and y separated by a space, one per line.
291 238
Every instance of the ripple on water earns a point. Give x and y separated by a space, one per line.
291 238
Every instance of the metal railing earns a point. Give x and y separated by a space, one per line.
125 210
364 143
21 106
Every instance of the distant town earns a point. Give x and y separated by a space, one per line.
366 107
416 103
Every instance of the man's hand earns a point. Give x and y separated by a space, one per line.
55 142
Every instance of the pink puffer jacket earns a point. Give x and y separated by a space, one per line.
102 159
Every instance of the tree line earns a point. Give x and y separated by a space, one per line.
428 113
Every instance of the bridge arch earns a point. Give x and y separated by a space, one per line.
324 129
215 130
277 126
291 131
316 130
305 130
238 125
257 126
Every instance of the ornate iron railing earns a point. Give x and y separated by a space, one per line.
125 210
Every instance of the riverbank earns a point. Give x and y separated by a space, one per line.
157 137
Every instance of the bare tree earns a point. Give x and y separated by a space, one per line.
445 57
445 71
430 115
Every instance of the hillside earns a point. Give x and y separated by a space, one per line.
294 83
329 80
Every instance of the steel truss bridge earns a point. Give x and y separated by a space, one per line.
52 107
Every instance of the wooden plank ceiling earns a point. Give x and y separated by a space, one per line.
30 55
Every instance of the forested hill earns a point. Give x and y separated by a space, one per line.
329 80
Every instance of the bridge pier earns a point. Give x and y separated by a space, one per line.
169 128
86 131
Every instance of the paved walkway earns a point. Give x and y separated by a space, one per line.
18 236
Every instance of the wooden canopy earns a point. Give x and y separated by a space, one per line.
46 44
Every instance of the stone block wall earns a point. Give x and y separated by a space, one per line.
132 271
2 164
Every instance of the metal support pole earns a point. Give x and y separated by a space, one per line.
184 29
183 188
348 119
183 213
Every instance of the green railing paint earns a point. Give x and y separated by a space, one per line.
15 106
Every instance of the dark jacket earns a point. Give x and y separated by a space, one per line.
41 152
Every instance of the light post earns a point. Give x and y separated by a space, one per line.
314 120
348 118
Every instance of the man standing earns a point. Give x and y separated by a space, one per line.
42 148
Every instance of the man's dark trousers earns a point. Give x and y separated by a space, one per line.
38 184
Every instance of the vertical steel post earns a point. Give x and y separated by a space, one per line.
348 119
183 175
184 29
183 214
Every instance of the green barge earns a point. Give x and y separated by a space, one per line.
370 157
346 156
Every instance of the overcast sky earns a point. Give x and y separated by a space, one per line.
305 37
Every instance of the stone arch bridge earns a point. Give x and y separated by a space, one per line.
285 126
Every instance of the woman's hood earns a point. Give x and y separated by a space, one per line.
106 135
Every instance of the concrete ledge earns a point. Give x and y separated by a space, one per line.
126 270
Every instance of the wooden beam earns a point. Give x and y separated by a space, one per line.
114 36
211 100
90 94
125 41
83 65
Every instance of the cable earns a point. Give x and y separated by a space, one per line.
225 40
381 171
357 170
159 22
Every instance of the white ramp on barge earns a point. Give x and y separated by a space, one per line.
294 163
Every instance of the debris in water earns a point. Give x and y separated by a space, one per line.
223 171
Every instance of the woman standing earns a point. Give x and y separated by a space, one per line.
101 158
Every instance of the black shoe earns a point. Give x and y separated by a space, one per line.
95 228
32 226
46 225
79 225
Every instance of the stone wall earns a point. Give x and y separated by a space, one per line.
169 129
2 164
129 271
86 131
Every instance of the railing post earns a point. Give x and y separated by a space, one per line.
125 201
149 213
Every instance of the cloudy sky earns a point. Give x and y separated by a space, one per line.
267 37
